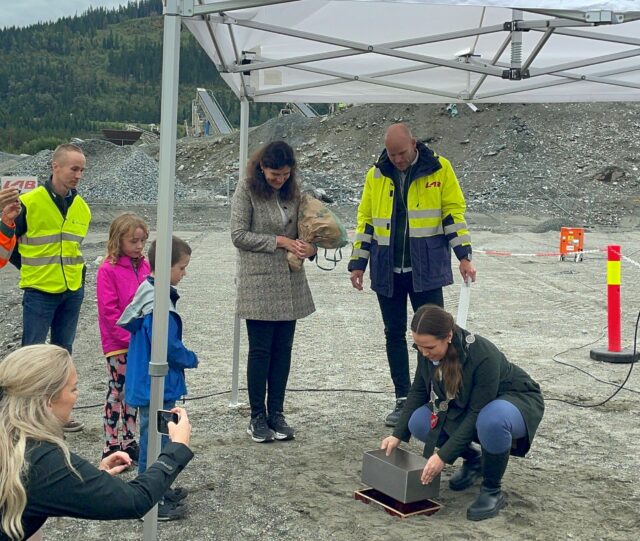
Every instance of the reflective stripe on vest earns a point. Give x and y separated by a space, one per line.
50 249
48 239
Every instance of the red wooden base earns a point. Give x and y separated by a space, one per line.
394 507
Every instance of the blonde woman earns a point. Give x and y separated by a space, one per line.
40 477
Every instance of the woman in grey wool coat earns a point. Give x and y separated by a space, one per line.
270 297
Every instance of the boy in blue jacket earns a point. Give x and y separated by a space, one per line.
137 318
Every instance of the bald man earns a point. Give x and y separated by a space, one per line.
410 216
50 229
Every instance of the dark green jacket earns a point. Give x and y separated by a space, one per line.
486 375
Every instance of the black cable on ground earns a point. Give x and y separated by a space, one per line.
218 393
364 391
619 387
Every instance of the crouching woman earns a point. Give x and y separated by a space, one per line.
40 477
465 390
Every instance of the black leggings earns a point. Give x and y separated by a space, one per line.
270 344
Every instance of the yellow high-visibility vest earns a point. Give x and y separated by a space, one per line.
50 249
436 224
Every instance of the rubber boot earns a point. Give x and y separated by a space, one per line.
491 499
470 471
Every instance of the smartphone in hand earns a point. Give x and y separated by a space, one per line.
163 420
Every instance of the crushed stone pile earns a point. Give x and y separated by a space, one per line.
573 163
578 164
114 174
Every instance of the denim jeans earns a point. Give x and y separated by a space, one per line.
269 362
143 419
497 425
394 316
56 311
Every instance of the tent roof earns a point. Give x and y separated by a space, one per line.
393 51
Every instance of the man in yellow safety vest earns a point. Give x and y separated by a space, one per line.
410 218
50 229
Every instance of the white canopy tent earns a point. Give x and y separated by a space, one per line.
386 51
425 51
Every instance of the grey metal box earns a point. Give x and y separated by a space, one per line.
398 475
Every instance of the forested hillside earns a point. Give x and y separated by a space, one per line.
74 76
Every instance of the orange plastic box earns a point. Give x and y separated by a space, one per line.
571 243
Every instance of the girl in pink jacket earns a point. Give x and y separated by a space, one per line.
122 271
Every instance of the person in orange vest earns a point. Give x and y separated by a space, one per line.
9 208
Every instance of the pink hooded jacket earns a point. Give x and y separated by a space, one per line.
116 284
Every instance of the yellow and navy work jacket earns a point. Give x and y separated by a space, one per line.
50 248
434 223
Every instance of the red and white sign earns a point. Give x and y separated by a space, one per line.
24 184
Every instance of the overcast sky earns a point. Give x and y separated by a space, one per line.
26 12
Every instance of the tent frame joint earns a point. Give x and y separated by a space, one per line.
516 26
515 74
603 17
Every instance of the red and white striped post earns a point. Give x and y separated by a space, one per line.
614 310
614 353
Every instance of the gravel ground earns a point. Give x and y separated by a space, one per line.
579 481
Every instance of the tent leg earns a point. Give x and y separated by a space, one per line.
168 122
236 364
244 150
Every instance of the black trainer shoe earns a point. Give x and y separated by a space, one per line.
393 418
259 429
73 426
168 511
175 495
133 450
282 431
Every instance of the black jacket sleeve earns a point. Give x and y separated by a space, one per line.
98 495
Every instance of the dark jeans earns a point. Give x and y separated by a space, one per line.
394 315
497 425
270 344
56 311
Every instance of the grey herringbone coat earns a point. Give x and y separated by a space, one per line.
266 289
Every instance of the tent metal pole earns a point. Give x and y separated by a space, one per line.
238 56
585 63
357 79
516 42
365 47
232 5
158 367
244 151
494 60
564 78
627 40
537 49
423 40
